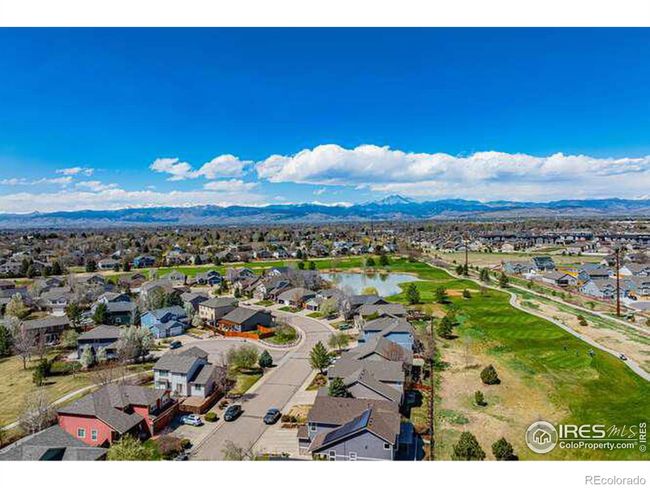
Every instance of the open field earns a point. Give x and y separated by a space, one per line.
16 384
495 258
545 371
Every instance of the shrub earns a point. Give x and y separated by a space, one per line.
503 450
186 443
489 376
211 417
265 360
468 448
169 446
466 293
223 404
479 398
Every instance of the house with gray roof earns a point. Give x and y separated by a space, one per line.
47 329
101 337
101 417
243 319
185 373
51 444
351 429
212 310
165 322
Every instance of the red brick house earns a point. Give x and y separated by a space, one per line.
102 417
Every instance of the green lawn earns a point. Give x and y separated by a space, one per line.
594 390
244 381
16 384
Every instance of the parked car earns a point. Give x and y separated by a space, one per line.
182 457
232 412
192 419
623 357
175 344
272 416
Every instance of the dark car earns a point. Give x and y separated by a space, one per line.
175 344
272 416
232 412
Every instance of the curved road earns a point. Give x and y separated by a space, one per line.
633 365
275 389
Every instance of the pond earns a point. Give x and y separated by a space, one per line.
386 284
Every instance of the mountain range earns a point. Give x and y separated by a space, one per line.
393 207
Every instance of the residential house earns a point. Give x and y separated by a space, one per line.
600 288
212 310
592 271
243 319
118 312
517 267
381 349
101 337
635 269
351 429
543 263
390 373
51 444
144 262
102 417
48 329
55 300
165 322
193 300
558 278
237 274
209 278
381 310
295 297
185 373
394 329
637 287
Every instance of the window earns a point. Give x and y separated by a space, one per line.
312 428
81 433
386 446
93 434
332 455
353 456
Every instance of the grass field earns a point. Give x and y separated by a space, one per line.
490 259
598 389
16 384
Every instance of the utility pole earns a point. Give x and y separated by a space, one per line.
466 258
431 354
618 281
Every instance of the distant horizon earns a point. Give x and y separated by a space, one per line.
257 117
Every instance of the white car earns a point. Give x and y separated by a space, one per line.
192 419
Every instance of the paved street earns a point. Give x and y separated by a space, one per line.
275 389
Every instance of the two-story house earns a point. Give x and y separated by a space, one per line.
185 373
212 310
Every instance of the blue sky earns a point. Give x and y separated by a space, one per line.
110 118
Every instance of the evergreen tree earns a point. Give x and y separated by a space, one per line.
441 295
468 449
312 265
479 398
503 281
466 293
370 262
445 328
412 294
503 450
383 260
265 360
101 314
91 266
489 376
337 388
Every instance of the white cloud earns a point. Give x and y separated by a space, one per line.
117 198
229 186
482 175
62 180
319 191
94 185
179 170
77 170
224 166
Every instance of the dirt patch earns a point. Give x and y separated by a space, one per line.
511 406
300 412
611 338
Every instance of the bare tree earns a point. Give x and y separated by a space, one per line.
105 375
38 413
23 342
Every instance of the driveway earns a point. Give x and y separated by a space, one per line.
275 389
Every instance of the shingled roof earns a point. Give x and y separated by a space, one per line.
108 404
51 444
